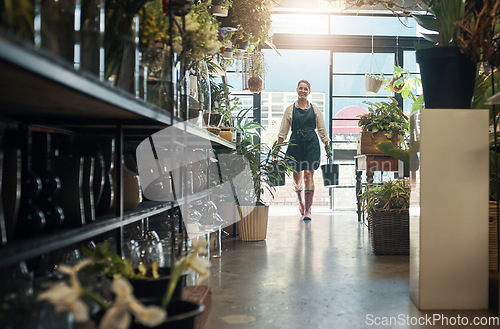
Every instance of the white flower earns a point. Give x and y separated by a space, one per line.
67 297
118 315
196 263
200 266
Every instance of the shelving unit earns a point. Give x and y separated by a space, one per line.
38 89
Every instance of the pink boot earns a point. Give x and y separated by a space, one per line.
308 196
301 202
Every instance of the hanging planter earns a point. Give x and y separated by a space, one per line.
255 84
397 84
372 84
219 11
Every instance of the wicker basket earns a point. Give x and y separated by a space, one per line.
390 232
367 141
493 237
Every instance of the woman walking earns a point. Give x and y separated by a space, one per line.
304 119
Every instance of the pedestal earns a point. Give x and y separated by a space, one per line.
449 209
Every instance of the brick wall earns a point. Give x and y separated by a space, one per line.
285 195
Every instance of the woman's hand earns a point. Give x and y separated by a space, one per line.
328 150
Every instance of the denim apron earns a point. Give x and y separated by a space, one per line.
304 142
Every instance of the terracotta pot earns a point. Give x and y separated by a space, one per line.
226 134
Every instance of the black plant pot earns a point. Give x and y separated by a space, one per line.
448 77
149 288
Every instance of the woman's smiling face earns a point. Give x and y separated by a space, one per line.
303 90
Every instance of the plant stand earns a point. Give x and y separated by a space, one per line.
449 209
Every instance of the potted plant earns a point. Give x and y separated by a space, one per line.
373 82
387 207
220 8
222 104
253 19
462 35
465 37
256 71
262 161
384 121
76 297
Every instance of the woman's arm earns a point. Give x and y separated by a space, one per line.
320 125
286 123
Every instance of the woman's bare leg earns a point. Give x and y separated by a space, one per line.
308 193
298 186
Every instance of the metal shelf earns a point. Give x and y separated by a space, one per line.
39 88
27 248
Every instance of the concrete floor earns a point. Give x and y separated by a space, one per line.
318 274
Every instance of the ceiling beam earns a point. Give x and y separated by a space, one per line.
345 43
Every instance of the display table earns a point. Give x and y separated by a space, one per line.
370 163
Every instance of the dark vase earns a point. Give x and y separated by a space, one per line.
181 315
448 77
150 289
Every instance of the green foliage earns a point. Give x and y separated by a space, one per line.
409 83
484 90
254 20
199 39
226 4
221 103
107 262
445 14
376 76
112 265
154 24
18 15
494 174
392 195
262 158
389 149
384 116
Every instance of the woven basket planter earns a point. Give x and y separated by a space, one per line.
367 141
390 232
253 223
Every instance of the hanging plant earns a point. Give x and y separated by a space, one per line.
255 84
253 19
